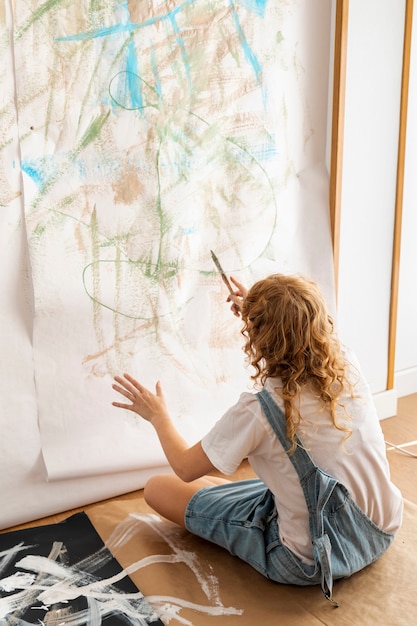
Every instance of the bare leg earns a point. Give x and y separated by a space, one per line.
168 495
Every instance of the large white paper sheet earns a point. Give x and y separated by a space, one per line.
149 134
25 493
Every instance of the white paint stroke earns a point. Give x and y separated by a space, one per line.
10 604
7 556
19 580
64 583
172 536
94 612
168 607
210 610
125 531
58 583
43 565
69 587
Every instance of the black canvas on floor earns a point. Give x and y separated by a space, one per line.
55 573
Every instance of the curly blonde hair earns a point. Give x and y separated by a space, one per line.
289 334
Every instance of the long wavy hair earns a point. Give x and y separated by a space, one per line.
289 334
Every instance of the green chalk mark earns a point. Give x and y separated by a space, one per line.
92 132
37 15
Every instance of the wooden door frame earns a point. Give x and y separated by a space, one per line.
336 160
402 140
338 117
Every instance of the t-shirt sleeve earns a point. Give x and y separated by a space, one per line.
236 435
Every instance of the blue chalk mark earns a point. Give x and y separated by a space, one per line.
250 56
180 42
120 95
125 28
184 232
255 6
100 32
265 151
35 174
133 85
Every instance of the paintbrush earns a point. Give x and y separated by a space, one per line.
222 274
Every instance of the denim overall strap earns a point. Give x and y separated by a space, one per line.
323 488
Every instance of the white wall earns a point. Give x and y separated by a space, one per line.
406 350
373 86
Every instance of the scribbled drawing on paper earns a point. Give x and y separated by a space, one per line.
154 146
150 133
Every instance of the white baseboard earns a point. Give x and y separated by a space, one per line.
405 382
386 403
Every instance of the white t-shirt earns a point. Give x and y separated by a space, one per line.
359 461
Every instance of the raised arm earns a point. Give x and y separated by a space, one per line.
187 462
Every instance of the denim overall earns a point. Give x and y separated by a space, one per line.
344 539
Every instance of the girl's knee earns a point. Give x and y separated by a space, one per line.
154 488
167 495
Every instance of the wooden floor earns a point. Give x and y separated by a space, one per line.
399 430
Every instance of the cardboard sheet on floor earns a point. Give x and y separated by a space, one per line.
190 581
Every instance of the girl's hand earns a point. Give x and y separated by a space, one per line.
143 402
237 297
188 463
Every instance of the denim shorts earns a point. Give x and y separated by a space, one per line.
242 518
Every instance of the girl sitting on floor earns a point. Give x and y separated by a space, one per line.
323 505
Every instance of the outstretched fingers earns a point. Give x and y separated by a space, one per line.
134 383
127 387
127 383
143 402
